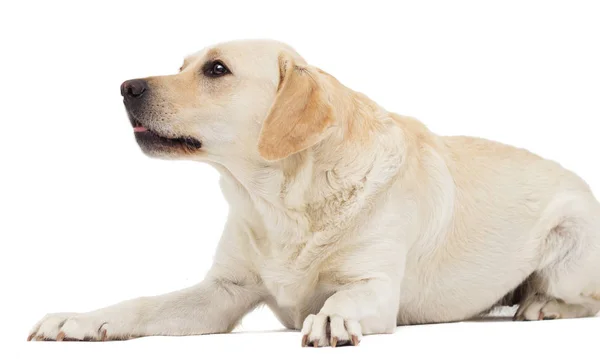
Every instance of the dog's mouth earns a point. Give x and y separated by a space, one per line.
149 139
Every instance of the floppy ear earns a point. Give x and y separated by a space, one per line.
299 116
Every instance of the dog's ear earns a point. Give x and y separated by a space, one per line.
300 114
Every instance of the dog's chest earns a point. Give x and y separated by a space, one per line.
293 317
296 288
292 269
289 275
296 269
292 242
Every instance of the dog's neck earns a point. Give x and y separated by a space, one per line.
323 187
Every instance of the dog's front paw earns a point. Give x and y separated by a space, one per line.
77 327
323 330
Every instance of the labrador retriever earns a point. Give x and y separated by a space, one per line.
346 219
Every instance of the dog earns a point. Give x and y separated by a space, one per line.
346 219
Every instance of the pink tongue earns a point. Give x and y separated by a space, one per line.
140 129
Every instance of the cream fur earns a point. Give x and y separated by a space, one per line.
355 217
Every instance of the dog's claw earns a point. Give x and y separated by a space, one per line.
60 337
355 340
334 341
305 340
30 337
315 343
103 336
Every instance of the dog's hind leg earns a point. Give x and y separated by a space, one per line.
567 284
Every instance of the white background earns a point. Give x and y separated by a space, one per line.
87 220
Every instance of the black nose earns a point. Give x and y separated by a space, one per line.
134 88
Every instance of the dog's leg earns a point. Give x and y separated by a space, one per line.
360 308
366 304
213 306
568 283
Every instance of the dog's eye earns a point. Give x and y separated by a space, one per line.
215 69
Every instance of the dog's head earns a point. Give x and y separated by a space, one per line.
256 99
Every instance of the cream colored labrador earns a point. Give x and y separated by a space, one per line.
346 219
